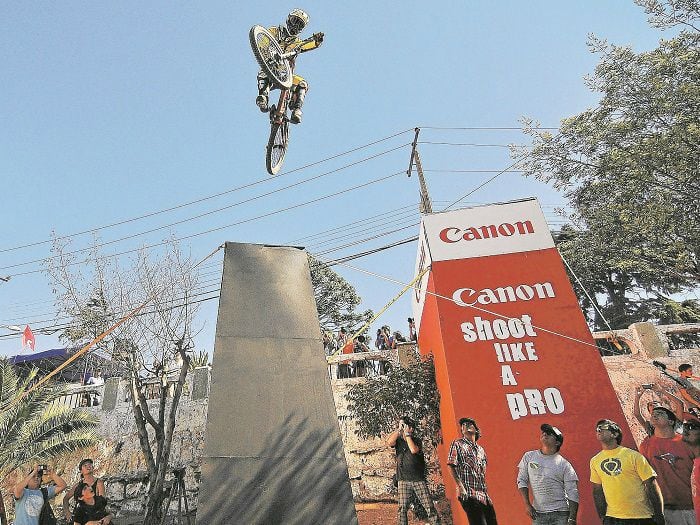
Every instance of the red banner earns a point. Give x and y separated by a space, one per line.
512 349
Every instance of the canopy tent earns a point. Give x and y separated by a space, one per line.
76 372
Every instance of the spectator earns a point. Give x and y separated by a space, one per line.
87 475
410 470
329 346
675 405
691 391
467 461
96 380
382 341
691 436
91 509
412 335
673 462
553 481
390 342
624 484
30 496
345 369
399 338
360 346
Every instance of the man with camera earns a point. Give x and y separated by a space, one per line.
28 496
410 470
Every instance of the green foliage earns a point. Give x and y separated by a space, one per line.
671 13
630 169
32 427
377 403
199 358
336 299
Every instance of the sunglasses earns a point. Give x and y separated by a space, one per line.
691 426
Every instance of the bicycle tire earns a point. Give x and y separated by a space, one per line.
277 147
267 52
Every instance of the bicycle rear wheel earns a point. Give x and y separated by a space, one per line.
277 146
268 53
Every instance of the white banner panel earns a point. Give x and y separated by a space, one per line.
492 229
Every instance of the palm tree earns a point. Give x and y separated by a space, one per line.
33 427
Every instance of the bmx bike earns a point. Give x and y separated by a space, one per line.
278 65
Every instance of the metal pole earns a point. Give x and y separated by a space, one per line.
426 206
413 152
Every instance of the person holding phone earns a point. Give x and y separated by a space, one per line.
410 470
28 496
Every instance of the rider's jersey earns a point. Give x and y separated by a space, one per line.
291 42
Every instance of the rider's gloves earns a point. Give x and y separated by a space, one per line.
318 37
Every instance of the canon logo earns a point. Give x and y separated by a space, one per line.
473 233
504 294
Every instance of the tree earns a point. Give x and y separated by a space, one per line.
378 402
629 167
33 428
154 345
336 299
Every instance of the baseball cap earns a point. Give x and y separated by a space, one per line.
554 431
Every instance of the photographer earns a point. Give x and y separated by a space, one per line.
28 496
410 470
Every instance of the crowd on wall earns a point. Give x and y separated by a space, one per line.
343 342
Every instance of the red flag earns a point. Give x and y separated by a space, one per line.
28 338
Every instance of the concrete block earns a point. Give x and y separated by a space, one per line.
273 451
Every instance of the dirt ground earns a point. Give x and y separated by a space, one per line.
367 514
385 514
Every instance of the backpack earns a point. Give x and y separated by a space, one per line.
46 517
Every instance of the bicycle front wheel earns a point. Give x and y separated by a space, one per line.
277 147
268 53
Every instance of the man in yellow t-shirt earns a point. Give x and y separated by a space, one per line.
624 484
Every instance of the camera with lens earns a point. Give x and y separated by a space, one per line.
41 469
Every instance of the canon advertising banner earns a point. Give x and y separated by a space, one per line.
511 346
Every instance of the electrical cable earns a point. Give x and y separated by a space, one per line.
245 201
243 221
209 197
488 181
486 128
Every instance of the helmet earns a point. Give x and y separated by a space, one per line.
296 21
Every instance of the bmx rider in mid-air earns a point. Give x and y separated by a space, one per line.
287 36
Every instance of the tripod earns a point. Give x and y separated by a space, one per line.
178 489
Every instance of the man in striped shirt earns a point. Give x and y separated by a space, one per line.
467 461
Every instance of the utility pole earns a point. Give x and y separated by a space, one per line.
425 205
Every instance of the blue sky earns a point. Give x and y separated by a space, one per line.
113 110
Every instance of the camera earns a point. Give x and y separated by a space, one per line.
41 469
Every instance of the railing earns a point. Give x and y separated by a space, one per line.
361 364
81 397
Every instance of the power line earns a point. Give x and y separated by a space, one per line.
237 223
470 144
245 201
485 128
488 181
206 198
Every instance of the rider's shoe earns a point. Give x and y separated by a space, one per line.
261 101
296 116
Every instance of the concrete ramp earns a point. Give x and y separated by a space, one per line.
273 451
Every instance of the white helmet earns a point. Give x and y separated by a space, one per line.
296 21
